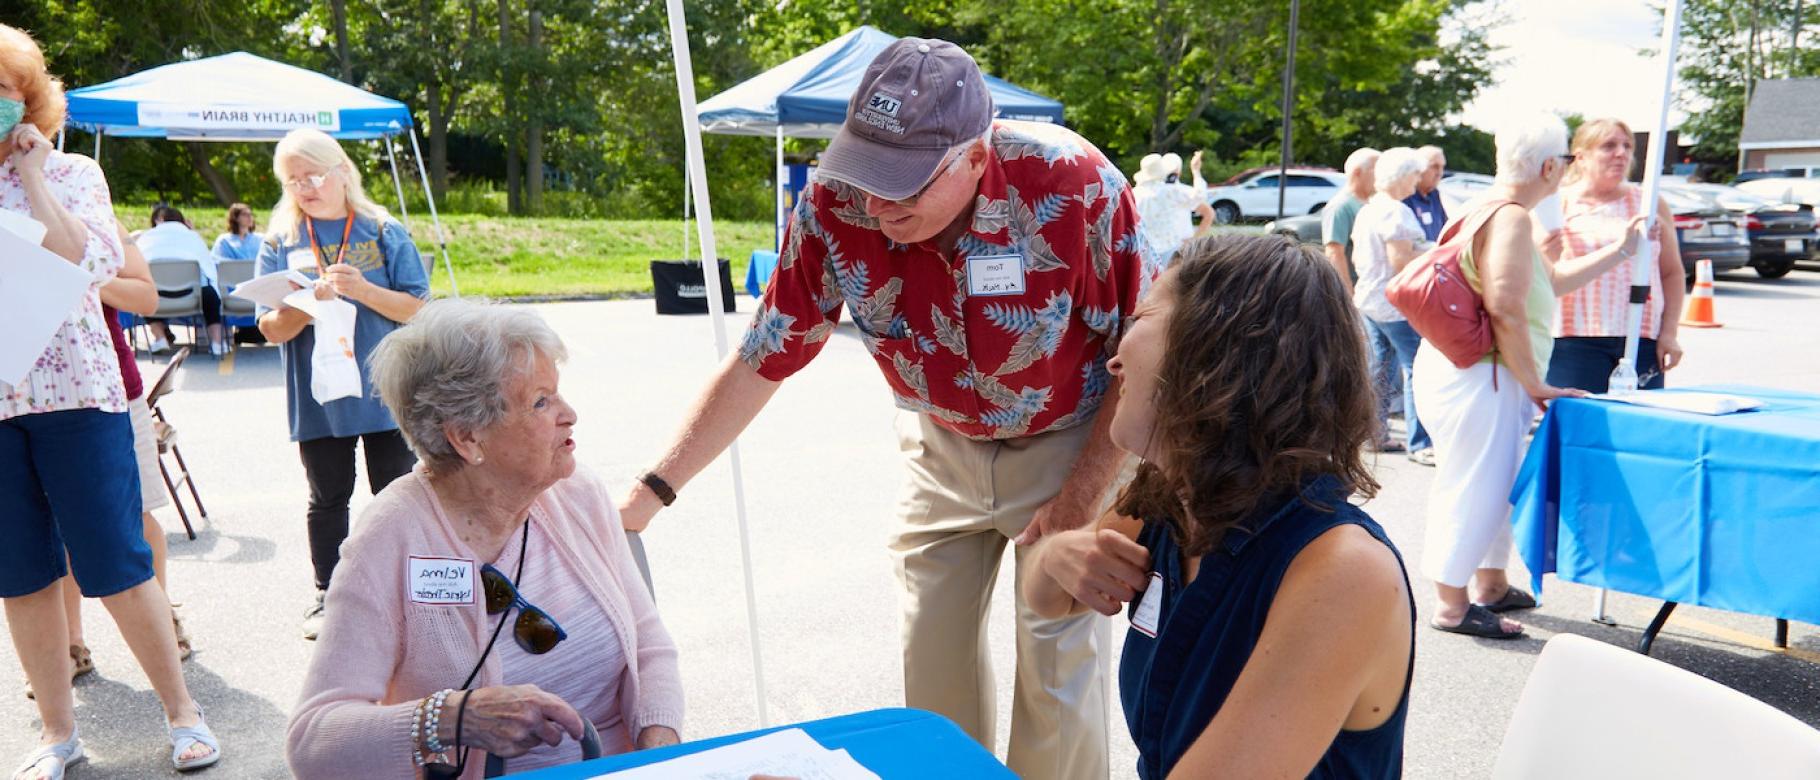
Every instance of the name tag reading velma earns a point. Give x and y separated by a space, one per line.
440 581
995 275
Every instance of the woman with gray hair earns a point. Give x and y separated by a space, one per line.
1386 235
1478 420
498 526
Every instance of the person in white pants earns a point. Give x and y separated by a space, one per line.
1479 414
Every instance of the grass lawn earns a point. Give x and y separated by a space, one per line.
523 257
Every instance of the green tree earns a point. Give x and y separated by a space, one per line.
1729 45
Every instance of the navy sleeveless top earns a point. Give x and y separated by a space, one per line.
1172 684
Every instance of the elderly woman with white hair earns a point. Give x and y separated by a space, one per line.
1478 418
498 527
326 228
1165 205
1386 235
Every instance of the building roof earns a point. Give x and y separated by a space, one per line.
1783 113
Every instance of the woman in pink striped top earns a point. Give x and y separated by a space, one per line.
1598 203
488 601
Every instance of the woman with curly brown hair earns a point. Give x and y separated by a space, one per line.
1265 596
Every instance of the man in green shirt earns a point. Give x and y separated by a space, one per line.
1337 216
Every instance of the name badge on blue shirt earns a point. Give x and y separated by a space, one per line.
992 275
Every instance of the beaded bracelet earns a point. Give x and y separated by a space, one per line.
417 728
431 741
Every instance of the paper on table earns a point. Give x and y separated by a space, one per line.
27 228
38 292
270 290
1698 403
787 753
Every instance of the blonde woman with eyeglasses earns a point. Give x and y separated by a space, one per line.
326 227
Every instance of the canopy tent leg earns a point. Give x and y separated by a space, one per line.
62 135
97 146
403 212
430 198
688 175
1624 378
782 183
698 180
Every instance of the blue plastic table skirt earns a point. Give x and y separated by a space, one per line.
1720 511
894 743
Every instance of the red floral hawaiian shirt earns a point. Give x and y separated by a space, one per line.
1008 337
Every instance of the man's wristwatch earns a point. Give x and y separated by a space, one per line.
664 492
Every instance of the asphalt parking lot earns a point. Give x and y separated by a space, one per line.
820 476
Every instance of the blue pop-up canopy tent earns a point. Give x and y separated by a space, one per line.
807 97
243 97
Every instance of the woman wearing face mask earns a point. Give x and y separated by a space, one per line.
327 228
69 487
1598 202
1273 631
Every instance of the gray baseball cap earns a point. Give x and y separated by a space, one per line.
920 97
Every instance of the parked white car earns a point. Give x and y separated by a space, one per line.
1253 194
1801 191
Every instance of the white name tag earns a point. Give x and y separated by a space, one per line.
300 260
1428 218
1150 607
995 275
440 581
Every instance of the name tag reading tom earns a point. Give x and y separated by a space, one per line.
991 275
440 581
1150 607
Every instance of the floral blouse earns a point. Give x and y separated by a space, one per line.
78 369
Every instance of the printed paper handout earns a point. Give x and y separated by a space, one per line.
1698 403
787 753
39 291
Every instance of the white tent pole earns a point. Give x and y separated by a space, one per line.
62 134
698 180
1624 377
777 224
393 159
430 198
688 176
97 144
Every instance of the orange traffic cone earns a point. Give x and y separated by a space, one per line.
1698 313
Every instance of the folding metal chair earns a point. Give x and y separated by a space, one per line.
167 442
235 312
179 284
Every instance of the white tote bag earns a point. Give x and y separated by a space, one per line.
334 373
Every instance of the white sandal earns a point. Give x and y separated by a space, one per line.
64 753
185 737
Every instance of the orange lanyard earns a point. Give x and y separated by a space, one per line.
309 226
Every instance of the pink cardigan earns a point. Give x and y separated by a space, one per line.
380 653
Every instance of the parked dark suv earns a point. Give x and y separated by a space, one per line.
1780 233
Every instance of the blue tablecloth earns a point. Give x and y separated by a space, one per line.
895 743
1720 511
759 269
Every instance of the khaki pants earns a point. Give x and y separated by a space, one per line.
962 501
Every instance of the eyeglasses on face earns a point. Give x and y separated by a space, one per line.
941 169
535 630
312 182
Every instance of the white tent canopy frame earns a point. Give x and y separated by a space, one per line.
223 98
1624 377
